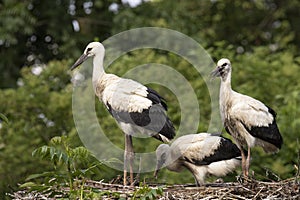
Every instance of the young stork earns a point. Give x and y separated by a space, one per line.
136 108
201 154
249 121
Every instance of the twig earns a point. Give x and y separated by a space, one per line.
258 193
286 189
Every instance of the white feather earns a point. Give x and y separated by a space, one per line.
122 94
221 168
250 111
195 147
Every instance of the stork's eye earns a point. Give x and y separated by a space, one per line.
224 65
89 49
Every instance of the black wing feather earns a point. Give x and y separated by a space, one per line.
156 98
273 113
153 119
227 150
268 133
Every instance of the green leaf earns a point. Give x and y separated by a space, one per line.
52 152
56 140
35 176
44 150
154 192
4 118
28 184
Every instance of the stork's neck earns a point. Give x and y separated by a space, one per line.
225 95
165 150
98 69
226 83
169 161
173 162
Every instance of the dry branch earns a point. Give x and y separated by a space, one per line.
248 189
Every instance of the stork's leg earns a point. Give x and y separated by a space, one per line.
243 162
125 162
128 156
248 161
197 183
131 158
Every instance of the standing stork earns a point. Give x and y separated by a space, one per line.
249 121
201 154
136 108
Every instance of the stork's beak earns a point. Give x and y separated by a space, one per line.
80 60
156 172
159 164
216 72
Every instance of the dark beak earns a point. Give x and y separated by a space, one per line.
80 60
158 166
156 172
216 72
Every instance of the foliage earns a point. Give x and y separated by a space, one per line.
35 31
260 37
241 23
71 166
3 118
15 18
37 110
147 193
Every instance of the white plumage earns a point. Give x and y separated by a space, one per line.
201 154
249 121
135 107
122 94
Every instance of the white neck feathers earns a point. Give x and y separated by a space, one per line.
98 69
225 95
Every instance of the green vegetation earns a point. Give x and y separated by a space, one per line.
38 45
71 168
147 193
67 163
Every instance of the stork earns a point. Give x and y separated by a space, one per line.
201 154
249 121
135 107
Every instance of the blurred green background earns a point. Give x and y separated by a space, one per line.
39 40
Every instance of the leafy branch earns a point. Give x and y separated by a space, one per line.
147 193
4 118
71 167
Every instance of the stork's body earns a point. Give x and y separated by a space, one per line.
136 108
249 121
201 154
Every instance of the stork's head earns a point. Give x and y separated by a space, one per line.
161 156
223 68
92 49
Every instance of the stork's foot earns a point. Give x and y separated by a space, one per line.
117 180
242 179
128 182
135 182
121 180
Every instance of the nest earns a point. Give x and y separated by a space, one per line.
248 189
243 189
